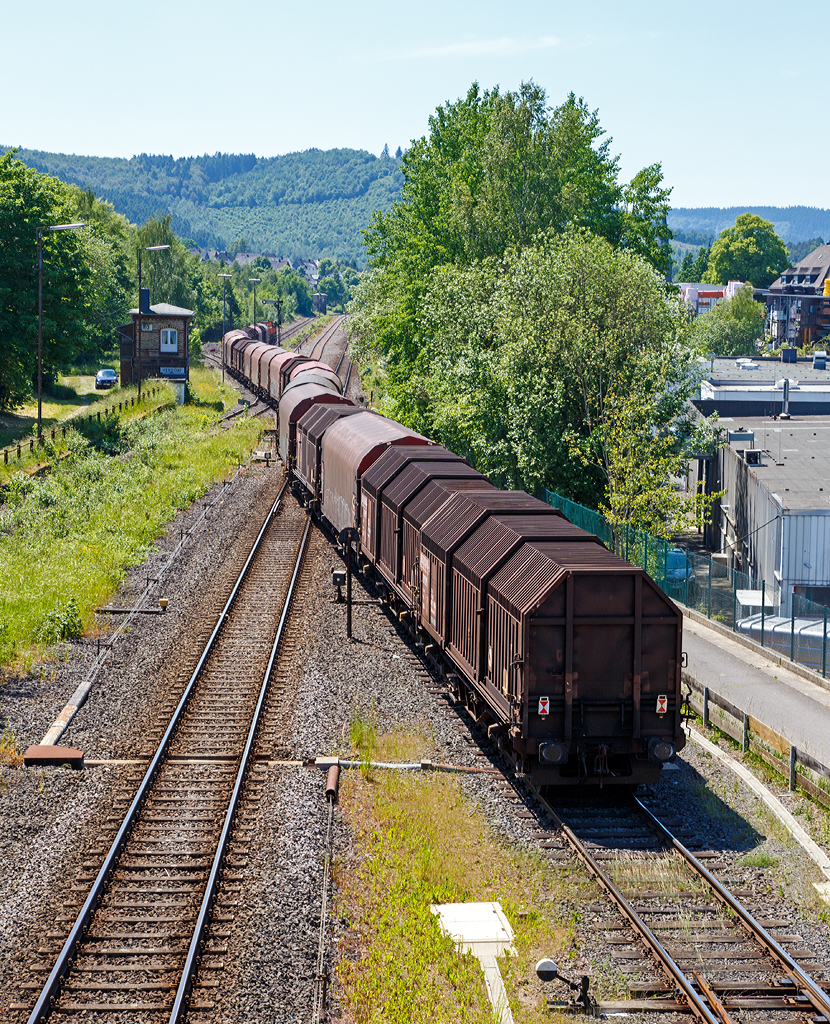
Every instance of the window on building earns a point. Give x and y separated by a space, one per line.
169 340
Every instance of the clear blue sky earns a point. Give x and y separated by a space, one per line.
712 89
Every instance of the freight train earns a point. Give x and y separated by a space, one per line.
568 655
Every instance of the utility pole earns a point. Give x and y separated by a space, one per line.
254 281
145 248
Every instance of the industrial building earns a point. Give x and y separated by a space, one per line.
773 521
766 386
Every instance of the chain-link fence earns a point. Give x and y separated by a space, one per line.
793 627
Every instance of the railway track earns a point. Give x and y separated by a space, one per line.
154 920
325 338
719 957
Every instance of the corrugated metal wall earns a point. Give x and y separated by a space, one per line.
783 547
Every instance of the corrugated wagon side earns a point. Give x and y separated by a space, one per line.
583 651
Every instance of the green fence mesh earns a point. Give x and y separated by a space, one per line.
795 627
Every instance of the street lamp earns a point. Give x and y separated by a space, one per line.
224 287
254 281
40 230
141 249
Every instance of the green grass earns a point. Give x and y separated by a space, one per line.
37 458
420 842
67 537
758 859
59 402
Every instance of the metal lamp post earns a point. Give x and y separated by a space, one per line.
224 288
144 248
254 281
40 230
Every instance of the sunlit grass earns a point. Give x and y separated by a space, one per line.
68 537
10 753
72 393
420 841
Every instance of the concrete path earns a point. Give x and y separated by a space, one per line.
791 705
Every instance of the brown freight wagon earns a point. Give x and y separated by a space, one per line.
405 489
379 476
416 514
295 402
584 650
349 447
310 429
445 532
475 562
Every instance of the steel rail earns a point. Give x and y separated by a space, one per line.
51 989
817 996
348 378
326 337
342 357
196 943
696 1004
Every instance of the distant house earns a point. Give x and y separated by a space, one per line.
700 297
245 259
165 336
798 302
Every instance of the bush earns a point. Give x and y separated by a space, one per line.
63 622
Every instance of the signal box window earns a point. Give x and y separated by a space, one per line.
169 340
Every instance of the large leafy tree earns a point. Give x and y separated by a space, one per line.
532 362
733 327
495 170
750 251
172 275
28 200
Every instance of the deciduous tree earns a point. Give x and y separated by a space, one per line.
750 251
733 327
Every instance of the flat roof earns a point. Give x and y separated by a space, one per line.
729 371
796 461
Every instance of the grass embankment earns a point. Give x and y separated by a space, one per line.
59 402
34 458
67 537
420 841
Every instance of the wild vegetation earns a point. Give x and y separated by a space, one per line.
68 536
421 841
516 306
300 204
90 280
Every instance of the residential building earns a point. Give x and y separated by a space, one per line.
798 302
700 297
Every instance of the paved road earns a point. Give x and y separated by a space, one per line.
787 703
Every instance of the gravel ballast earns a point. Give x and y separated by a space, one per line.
52 817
